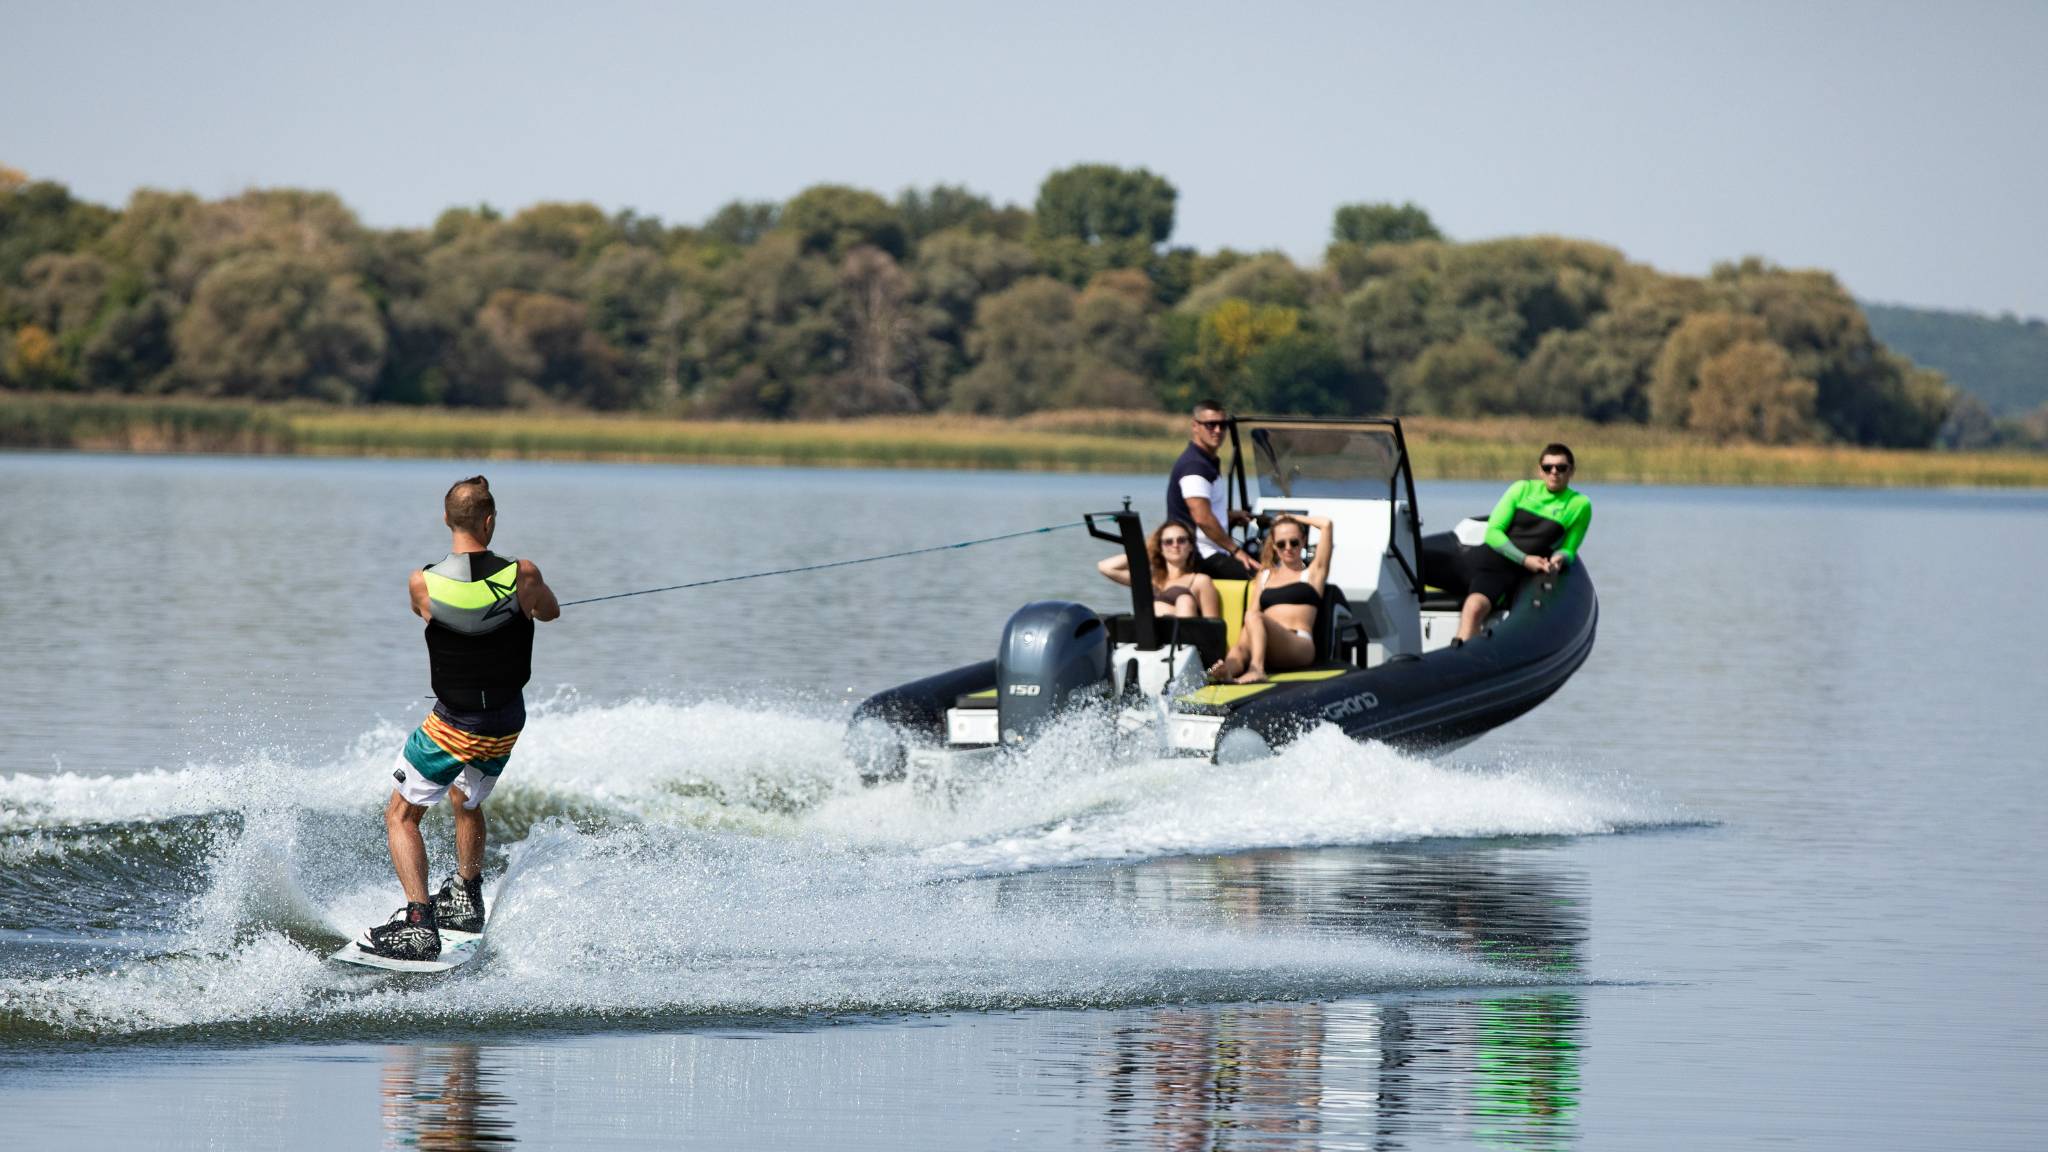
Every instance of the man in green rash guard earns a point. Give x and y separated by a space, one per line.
1537 527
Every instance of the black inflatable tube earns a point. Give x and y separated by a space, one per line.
1449 695
919 707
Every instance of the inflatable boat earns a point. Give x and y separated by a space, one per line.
1385 667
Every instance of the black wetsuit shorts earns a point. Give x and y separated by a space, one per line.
1464 570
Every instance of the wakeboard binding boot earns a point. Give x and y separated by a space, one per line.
412 934
459 905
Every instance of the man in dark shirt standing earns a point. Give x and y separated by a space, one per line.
1191 494
480 608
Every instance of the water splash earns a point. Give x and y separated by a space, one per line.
665 859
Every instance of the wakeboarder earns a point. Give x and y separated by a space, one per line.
480 608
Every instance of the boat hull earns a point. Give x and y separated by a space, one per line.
1453 695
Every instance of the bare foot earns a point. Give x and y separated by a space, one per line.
1252 676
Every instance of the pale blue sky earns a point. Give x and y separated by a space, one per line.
1897 144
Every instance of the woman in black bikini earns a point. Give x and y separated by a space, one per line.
1281 607
1177 589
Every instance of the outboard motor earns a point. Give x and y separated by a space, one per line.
1052 651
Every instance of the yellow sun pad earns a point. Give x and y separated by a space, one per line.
1224 695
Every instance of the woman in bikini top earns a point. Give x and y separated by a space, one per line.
1177 589
1279 621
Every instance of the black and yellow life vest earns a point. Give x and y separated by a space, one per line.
479 644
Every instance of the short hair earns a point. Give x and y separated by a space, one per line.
469 503
1202 406
1555 449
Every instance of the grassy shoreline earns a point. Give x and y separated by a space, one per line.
1052 442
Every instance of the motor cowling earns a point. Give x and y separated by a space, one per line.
1052 652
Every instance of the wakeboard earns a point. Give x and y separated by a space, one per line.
457 949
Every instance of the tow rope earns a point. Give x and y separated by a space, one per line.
831 564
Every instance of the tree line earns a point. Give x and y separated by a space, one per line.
1998 364
840 302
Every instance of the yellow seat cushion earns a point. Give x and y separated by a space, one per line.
1232 593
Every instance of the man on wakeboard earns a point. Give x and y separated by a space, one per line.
1536 527
479 608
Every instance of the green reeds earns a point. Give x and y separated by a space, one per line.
1072 441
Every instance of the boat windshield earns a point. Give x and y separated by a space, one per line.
1332 462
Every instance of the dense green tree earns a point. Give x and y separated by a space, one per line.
1747 391
149 235
882 335
1231 337
541 348
1092 218
1302 373
1701 337
40 216
569 233
956 269
33 363
1024 344
1865 395
270 326
1117 344
945 206
1101 203
64 292
1269 278
1365 225
1467 376
833 219
768 331
741 222
132 349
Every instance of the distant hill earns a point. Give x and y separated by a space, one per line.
2001 360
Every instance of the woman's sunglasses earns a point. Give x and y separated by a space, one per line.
1175 542
1288 545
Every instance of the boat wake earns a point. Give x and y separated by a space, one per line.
660 860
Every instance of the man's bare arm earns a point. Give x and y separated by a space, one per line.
1205 519
536 599
416 584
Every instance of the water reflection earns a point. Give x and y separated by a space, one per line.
1502 1070
441 1098
1510 905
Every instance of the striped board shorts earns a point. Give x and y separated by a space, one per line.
463 749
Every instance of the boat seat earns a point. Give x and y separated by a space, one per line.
1438 600
1344 637
1204 635
1232 594
1339 635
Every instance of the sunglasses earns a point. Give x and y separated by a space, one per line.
1211 425
1555 469
1289 545
1175 542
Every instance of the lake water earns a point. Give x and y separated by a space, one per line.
1767 870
